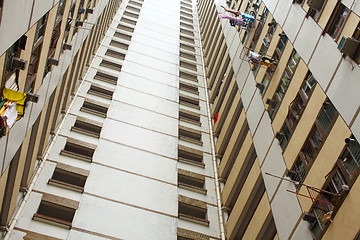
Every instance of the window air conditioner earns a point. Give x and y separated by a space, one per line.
53 61
279 136
271 103
309 217
315 4
67 46
79 24
260 86
349 46
89 10
19 63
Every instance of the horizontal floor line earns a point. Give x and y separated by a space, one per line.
131 205
134 173
94 233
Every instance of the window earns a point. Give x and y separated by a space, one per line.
285 136
185 14
100 91
119 44
193 210
187 39
191 181
270 33
351 158
110 65
189 117
78 149
128 20
185 234
284 83
94 108
35 55
190 156
11 70
125 28
133 8
123 36
115 54
54 40
69 177
40 29
130 14
257 34
337 20
187 47
296 109
190 135
279 48
186 9
338 184
189 101
245 37
191 88
87 126
33 66
56 210
312 146
135 3
264 14
188 76
187 56
105 77
182 24
188 65
266 81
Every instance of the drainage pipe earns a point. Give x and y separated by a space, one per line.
213 154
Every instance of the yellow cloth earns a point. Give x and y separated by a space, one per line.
17 97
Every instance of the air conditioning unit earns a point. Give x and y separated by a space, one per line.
309 217
19 63
260 86
89 10
67 46
291 174
315 4
279 136
349 46
32 97
270 102
53 62
79 24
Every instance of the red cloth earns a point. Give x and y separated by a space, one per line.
216 117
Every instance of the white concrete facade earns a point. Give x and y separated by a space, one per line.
132 191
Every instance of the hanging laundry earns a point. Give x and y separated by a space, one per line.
235 20
263 60
10 114
18 97
247 17
235 12
216 117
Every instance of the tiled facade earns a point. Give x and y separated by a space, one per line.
286 134
145 119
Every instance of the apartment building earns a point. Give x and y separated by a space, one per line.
286 134
114 141
145 119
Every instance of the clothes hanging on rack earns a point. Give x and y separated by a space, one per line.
18 97
236 20
9 114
